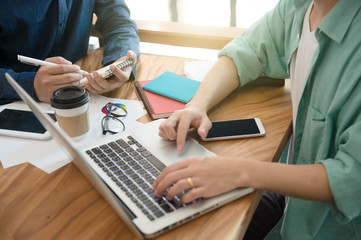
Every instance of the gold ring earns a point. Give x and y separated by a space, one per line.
190 182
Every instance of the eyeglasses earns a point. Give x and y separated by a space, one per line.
111 122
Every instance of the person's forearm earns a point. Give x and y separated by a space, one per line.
24 79
308 182
220 81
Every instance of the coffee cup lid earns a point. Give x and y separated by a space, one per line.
69 97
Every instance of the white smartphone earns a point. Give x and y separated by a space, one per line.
23 124
241 128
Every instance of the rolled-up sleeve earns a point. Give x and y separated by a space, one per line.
344 174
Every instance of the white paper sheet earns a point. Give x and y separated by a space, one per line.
47 155
197 70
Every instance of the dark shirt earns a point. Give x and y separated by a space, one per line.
48 28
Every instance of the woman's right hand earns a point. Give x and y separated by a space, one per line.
218 83
177 125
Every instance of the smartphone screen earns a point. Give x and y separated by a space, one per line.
235 129
21 121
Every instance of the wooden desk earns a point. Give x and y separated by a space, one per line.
64 205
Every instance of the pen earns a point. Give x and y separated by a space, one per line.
37 62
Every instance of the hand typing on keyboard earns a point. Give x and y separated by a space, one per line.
200 177
133 168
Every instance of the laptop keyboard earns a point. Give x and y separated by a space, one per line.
133 168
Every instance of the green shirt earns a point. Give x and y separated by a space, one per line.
328 128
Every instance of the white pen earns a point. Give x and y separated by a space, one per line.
37 62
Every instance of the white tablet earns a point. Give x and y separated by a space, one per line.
22 123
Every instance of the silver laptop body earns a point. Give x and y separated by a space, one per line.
124 203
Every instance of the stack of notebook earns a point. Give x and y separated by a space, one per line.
166 93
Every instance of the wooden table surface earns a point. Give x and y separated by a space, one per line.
64 205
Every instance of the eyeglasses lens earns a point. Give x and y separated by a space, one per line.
116 110
112 125
111 122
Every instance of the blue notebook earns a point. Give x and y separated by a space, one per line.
173 86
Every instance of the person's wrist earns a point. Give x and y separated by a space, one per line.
245 179
199 107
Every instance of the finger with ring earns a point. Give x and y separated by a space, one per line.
190 182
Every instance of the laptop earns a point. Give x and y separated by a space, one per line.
122 167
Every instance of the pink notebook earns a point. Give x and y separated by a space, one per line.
157 106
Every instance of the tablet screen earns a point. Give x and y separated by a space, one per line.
22 121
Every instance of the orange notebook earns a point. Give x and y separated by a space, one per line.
157 106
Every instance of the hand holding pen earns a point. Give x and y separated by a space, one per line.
54 73
57 72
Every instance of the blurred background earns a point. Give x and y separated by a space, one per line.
219 13
237 13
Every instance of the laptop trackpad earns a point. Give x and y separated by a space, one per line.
169 154
165 150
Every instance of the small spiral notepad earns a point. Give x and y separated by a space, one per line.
121 65
105 72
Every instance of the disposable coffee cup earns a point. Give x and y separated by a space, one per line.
71 110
